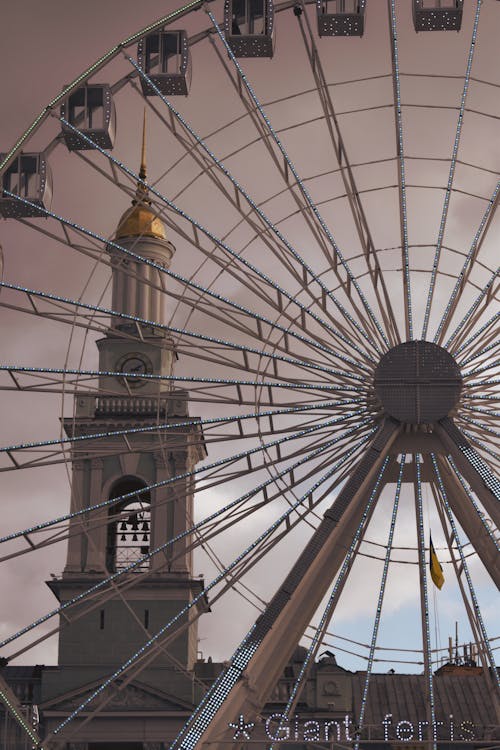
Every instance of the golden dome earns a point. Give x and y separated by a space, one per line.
140 221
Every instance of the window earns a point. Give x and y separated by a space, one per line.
248 17
22 177
129 527
163 53
86 108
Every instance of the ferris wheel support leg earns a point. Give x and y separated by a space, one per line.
246 683
472 467
470 521
12 706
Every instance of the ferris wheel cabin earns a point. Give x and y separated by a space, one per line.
437 15
248 27
91 110
341 17
28 177
164 58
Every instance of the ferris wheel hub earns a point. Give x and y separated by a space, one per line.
418 382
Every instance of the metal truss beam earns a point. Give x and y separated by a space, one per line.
472 467
257 664
470 521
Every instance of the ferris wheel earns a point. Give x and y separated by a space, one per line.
318 185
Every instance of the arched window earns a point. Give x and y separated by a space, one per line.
130 526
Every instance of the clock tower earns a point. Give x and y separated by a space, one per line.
102 632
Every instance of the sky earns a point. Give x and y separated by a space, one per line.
45 47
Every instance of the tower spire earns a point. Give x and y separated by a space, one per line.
142 193
139 220
142 171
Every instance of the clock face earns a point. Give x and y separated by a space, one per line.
135 364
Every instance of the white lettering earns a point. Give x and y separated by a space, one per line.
435 725
466 733
404 731
282 728
347 721
311 731
386 721
297 727
420 733
329 724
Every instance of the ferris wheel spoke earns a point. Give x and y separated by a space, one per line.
472 340
83 375
14 708
479 398
128 582
261 550
488 413
179 427
171 329
353 194
229 317
491 364
272 226
396 81
481 425
259 319
327 452
328 424
490 344
306 311
50 458
337 252
228 513
92 591
132 671
203 353
239 309
282 168
424 600
234 255
95 251
449 186
378 612
493 672
487 293
466 267
486 385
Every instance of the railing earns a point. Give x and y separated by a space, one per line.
131 405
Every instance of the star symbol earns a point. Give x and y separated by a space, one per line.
242 727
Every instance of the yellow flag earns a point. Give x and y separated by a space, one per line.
435 566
